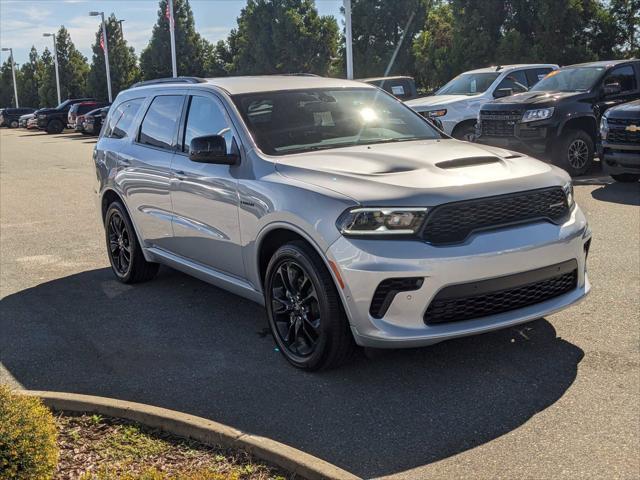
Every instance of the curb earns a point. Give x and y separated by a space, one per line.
205 431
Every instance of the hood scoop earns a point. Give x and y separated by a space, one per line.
467 162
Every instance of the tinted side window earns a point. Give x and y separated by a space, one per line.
516 81
534 75
159 126
205 117
625 76
122 118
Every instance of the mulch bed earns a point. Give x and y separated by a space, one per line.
93 447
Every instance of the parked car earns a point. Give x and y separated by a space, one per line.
339 208
620 142
558 118
9 117
401 87
457 104
22 121
54 120
93 121
32 123
80 109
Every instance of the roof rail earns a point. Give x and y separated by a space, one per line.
300 75
160 81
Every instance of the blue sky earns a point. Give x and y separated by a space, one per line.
22 22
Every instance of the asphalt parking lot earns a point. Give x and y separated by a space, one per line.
556 398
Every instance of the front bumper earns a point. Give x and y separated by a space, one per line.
532 138
620 158
364 264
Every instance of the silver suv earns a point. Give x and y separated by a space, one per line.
343 211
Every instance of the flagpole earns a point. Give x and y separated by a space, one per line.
105 48
173 40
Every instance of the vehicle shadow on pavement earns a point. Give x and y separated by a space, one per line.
182 344
616 192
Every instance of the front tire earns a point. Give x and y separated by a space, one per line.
125 255
466 133
304 309
626 177
55 126
574 152
13 124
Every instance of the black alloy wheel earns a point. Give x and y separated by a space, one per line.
296 312
119 244
304 309
574 152
125 255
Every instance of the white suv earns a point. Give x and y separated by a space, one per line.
457 104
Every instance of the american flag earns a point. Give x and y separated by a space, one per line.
102 40
167 14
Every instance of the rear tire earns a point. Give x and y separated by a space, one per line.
304 309
13 124
574 152
125 255
55 126
626 177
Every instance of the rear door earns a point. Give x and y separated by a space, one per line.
205 196
144 171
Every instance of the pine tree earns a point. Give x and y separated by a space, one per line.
73 66
47 88
30 80
432 48
122 62
191 48
6 85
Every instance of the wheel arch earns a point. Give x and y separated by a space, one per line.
469 122
586 123
108 196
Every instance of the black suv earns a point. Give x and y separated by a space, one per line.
558 118
620 142
9 116
53 120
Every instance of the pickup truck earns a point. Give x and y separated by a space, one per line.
54 120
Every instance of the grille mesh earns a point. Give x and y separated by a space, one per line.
499 123
454 222
465 308
620 135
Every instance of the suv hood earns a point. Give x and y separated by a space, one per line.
438 100
539 99
629 110
48 110
423 172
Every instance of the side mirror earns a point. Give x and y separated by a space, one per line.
503 92
211 149
612 89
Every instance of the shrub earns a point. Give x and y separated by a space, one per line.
28 449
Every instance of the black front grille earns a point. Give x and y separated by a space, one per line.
388 289
496 123
454 222
621 135
490 297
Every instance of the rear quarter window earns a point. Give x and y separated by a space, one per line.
123 115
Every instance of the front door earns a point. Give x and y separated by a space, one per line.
205 196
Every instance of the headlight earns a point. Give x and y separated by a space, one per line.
568 191
381 221
604 127
435 113
539 114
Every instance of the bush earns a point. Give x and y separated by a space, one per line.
28 449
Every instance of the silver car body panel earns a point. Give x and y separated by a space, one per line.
210 220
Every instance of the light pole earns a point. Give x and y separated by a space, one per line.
106 51
55 61
172 26
13 72
348 38
121 30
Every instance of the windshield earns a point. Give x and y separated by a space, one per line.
578 79
303 120
63 104
469 84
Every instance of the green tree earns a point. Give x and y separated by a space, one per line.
6 85
626 15
282 36
47 88
191 49
30 73
72 66
432 48
122 62
377 28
